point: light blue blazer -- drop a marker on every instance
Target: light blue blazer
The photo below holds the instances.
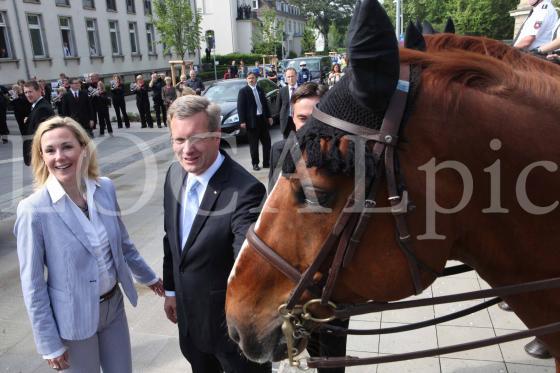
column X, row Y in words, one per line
column 58, row 268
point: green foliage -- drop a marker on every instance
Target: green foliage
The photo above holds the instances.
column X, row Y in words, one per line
column 225, row 59
column 268, row 38
column 337, row 36
column 488, row 18
column 178, row 26
column 322, row 13
column 292, row 54
column 308, row 40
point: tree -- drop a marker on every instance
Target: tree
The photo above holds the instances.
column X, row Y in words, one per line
column 308, row 40
column 472, row 17
column 177, row 25
column 268, row 39
column 323, row 12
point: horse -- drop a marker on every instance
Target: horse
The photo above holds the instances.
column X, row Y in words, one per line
column 479, row 152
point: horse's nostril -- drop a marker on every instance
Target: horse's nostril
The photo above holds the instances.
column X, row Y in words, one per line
column 234, row 334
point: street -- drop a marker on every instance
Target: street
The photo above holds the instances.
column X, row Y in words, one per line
column 137, row 160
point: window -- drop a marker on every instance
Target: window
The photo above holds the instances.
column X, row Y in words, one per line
column 89, row 4
column 5, row 38
column 254, row 4
column 150, row 35
column 148, row 7
column 130, row 8
column 67, row 36
column 93, row 37
column 62, row 2
column 112, row 5
column 38, row 44
column 115, row 36
column 32, row 1
column 133, row 34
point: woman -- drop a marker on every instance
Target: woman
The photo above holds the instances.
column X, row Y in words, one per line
column 334, row 76
column 71, row 226
column 242, row 71
column 102, row 108
column 168, row 92
column 117, row 91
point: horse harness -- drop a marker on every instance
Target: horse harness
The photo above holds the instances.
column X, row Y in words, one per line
column 345, row 237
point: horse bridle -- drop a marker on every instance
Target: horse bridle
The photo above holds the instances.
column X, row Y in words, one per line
column 346, row 236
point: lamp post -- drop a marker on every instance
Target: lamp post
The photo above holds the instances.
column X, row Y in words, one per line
column 398, row 19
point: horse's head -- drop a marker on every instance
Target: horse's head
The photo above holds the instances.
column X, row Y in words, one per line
column 303, row 207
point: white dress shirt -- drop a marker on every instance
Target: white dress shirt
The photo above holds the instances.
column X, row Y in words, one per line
column 203, row 180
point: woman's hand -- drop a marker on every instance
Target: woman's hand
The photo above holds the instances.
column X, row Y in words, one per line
column 158, row 288
column 59, row 363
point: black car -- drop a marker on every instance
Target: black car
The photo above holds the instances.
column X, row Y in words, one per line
column 224, row 93
column 319, row 67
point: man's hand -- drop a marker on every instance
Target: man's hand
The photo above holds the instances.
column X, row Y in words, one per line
column 270, row 121
column 170, row 308
column 59, row 363
column 158, row 288
column 91, row 123
column 242, row 125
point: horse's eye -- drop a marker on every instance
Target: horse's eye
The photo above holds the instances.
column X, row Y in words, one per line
column 314, row 197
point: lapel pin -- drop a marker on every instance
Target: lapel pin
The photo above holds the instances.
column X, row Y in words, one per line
column 215, row 192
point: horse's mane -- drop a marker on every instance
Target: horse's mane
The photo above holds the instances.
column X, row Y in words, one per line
column 490, row 47
column 451, row 67
column 449, row 73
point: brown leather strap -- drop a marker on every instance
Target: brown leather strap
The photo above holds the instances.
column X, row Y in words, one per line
column 334, row 362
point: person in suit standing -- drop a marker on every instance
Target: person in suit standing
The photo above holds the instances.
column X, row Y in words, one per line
column 156, row 85
column 254, row 115
column 103, row 102
column 21, row 107
column 70, row 227
column 119, row 103
column 142, row 102
column 284, row 106
column 41, row 110
column 77, row 105
column 4, row 131
column 209, row 204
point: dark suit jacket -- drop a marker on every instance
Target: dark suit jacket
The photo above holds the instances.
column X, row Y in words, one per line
column 198, row 274
column 80, row 110
column 247, row 106
column 284, row 107
column 275, row 168
column 41, row 112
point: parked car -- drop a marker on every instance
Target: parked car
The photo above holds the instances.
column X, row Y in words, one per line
column 224, row 93
column 319, row 67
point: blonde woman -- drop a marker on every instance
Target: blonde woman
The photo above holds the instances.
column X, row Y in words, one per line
column 168, row 92
column 71, row 228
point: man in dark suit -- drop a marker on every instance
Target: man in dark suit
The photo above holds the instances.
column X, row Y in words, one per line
column 209, row 203
column 77, row 105
column 284, row 105
column 41, row 110
column 140, row 89
column 254, row 115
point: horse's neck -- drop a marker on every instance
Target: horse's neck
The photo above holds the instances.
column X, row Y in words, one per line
column 488, row 136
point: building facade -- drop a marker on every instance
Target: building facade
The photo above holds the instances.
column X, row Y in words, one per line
column 42, row 38
column 236, row 22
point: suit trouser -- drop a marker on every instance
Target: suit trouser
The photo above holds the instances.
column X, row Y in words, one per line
column 109, row 348
column 254, row 135
column 159, row 107
column 120, row 106
column 3, row 123
column 323, row 344
column 104, row 120
column 145, row 115
column 229, row 362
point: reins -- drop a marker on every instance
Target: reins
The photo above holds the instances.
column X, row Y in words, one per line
column 344, row 239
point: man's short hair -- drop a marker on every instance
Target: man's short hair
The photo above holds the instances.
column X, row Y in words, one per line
column 73, row 80
column 32, row 84
column 187, row 106
column 251, row 73
column 290, row 68
column 308, row 90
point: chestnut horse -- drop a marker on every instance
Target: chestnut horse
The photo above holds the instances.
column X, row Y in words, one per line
column 479, row 160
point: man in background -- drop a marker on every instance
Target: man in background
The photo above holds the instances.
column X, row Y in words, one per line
column 537, row 29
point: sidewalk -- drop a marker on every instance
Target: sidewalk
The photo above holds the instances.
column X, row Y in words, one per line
column 155, row 346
